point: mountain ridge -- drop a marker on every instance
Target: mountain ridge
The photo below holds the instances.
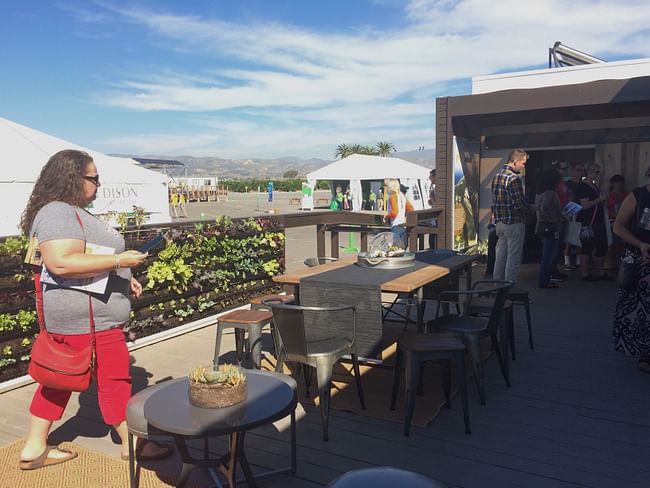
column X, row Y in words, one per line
column 242, row 168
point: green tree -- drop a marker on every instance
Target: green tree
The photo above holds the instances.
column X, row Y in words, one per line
column 342, row 151
column 357, row 149
column 292, row 173
column 384, row 149
column 370, row 151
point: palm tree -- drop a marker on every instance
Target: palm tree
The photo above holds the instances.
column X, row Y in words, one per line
column 371, row 151
column 343, row 151
column 357, row 149
column 384, row 149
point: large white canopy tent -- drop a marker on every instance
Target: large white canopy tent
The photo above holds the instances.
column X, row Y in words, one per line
column 124, row 182
column 360, row 167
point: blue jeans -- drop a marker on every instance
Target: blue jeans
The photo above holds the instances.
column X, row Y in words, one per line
column 400, row 233
column 549, row 253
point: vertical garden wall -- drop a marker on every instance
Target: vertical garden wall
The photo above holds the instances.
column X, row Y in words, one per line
column 204, row 269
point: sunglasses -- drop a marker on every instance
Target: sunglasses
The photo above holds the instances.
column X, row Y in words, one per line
column 94, row 179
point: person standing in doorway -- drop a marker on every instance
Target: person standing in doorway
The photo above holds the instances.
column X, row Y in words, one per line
column 594, row 234
column 510, row 206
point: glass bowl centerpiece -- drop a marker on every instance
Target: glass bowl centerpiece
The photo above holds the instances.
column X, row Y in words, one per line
column 216, row 387
column 386, row 250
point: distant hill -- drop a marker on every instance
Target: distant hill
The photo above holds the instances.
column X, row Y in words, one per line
column 265, row 168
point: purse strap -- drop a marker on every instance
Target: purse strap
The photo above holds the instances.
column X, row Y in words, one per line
column 593, row 217
column 38, row 288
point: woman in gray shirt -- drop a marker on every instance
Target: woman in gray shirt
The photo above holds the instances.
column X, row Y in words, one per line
column 55, row 216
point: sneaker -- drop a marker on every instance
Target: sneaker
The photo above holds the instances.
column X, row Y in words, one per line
column 557, row 276
column 570, row 267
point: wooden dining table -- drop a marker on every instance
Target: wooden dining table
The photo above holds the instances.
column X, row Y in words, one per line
column 409, row 281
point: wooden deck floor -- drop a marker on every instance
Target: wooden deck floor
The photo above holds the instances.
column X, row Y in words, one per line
column 576, row 415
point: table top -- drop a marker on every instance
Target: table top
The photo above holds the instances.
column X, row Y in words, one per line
column 270, row 396
column 408, row 282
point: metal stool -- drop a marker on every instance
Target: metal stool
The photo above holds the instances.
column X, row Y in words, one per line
column 419, row 348
column 519, row 296
column 242, row 321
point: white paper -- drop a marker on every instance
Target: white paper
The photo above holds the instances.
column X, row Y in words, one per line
column 571, row 209
column 96, row 284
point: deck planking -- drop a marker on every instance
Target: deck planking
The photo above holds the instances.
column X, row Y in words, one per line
column 575, row 416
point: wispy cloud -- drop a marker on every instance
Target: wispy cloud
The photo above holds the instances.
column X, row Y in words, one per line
column 348, row 84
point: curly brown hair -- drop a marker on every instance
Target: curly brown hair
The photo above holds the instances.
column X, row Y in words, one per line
column 61, row 180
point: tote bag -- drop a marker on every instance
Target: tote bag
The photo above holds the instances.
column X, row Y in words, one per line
column 573, row 233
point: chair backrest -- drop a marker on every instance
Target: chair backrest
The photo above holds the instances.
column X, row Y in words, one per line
column 289, row 322
column 498, row 291
column 313, row 262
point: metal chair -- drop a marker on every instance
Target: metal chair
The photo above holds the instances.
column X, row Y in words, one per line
column 473, row 329
column 313, row 262
column 318, row 352
column 383, row 477
column 418, row 349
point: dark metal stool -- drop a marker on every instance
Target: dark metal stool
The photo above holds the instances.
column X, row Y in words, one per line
column 419, row 348
column 243, row 321
column 519, row 296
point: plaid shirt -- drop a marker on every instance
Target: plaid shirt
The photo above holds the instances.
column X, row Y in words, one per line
column 508, row 197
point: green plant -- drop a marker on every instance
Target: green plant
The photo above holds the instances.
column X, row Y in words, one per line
column 25, row 342
column 173, row 274
column 7, row 351
column 229, row 376
column 6, row 362
column 122, row 220
column 14, row 246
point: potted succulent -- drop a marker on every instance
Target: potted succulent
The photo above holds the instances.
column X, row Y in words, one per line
column 216, row 387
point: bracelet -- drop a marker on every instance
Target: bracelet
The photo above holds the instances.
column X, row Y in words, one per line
column 117, row 262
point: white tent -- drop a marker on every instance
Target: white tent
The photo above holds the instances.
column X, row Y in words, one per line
column 124, row 182
column 359, row 167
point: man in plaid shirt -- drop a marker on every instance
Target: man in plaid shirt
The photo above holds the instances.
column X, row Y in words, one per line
column 509, row 207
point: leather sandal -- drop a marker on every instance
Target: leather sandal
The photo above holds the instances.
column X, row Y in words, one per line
column 43, row 460
column 162, row 451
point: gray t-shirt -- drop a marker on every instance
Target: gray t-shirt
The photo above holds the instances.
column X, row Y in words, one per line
column 66, row 311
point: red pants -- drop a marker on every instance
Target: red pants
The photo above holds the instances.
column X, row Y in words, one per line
column 111, row 375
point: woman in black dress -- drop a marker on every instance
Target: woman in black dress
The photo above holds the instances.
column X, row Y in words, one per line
column 631, row 333
column 594, row 248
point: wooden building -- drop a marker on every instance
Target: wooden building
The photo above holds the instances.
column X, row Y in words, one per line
column 597, row 112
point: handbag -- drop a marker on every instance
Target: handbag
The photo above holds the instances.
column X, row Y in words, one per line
column 547, row 230
column 55, row 364
column 587, row 231
column 573, row 233
column 628, row 273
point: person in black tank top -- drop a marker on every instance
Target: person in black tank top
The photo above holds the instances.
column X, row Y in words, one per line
column 631, row 334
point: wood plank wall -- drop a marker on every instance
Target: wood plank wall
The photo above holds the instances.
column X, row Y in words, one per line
column 444, row 171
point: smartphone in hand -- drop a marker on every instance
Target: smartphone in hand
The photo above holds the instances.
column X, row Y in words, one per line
column 150, row 245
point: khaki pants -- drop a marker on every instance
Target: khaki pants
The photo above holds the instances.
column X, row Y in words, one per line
column 510, row 248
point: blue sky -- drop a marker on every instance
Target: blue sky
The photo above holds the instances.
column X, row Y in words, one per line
column 262, row 78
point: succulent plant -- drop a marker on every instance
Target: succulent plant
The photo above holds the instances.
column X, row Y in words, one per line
column 229, row 376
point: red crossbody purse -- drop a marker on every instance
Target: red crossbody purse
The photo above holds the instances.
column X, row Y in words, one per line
column 55, row 364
